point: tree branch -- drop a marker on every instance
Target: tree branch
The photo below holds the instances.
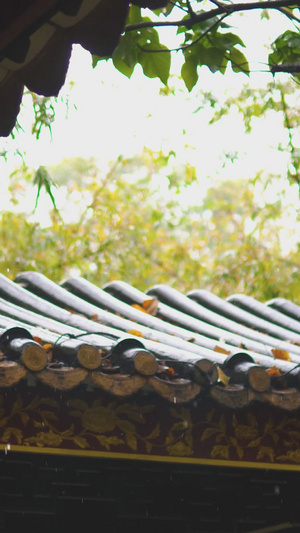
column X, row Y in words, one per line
column 203, row 16
column 185, row 46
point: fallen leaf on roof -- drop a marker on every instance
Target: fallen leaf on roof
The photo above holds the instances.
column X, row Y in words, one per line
column 139, row 308
column 38, row 340
column 151, row 306
column 220, row 349
column 171, row 371
column 47, row 346
column 281, row 354
column 222, row 377
column 135, row 332
column 274, row 371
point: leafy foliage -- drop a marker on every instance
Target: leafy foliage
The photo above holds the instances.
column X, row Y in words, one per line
column 136, row 230
column 204, row 39
column 279, row 98
column 286, row 53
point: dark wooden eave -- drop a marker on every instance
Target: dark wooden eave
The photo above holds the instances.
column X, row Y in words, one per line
column 36, row 38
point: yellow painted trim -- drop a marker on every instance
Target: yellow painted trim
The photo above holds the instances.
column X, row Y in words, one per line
column 8, row 448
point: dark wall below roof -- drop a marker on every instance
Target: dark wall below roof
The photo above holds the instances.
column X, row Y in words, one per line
column 72, row 494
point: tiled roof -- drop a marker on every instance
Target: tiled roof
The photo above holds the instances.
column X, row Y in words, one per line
column 121, row 340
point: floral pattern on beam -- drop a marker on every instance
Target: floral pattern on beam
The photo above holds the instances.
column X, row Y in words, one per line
column 148, row 426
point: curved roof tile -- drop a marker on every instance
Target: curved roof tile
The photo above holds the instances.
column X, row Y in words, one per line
column 121, row 340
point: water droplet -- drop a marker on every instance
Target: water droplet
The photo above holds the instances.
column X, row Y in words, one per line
column 7, row 448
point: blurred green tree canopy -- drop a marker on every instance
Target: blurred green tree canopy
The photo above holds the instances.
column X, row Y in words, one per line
column 132, row 225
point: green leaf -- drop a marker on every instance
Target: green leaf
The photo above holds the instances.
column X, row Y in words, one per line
column 226, row 41
column 214, row 58
column 43, row 179
column 189, row 72
column 239, row 62
column 155, row 60
column 134, row 15
column 125, row 55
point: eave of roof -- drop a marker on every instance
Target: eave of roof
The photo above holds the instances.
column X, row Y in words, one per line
column 36, row 39
column 121, row 340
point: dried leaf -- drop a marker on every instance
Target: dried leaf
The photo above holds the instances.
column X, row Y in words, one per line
column 38, row 340
column 151, row 306
column 274, row 371
column 220, row 349
column 281, row 354
column 47, row 346
column 222, row 377
column 135, row 332
column 139, row 308
column 171, row 371
column 70, row 310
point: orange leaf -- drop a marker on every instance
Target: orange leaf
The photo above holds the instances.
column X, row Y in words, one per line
column 135, row 332
column 281, row 354
column 47, row 346
column 151, row 306
column 274, row 371
column 171, row 371
column 38, row 340
column 139, row 308
column 220, row 349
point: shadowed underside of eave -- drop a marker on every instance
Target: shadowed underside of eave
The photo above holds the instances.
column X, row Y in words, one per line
column 36, row 38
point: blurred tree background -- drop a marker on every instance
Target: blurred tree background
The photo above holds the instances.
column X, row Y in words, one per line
column 133, row 224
